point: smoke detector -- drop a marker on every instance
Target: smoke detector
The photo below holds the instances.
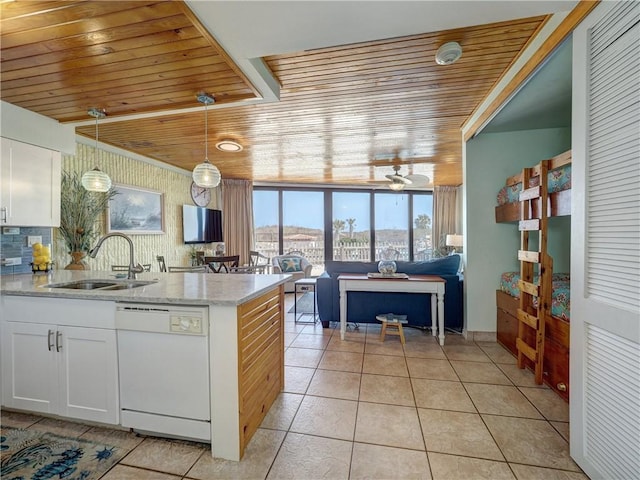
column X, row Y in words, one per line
column 448, row 53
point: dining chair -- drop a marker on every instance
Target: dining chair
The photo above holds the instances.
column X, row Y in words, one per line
column 125, row 268
column 258, row 263
column 161, row 264
column 226, row 264
column 194, row 269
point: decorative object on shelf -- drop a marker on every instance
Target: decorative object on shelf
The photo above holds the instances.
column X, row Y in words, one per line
column 41, row 258
column 387, row 267
column 455, row 241
column 206, row 174
column 448, row 53
column 387, row 264
column 80, row 212
column 388, row 276
column 96, row 180
column 228, row 146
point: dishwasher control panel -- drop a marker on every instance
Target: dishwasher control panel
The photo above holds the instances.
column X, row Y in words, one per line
column 159, row 318
column 186, row 324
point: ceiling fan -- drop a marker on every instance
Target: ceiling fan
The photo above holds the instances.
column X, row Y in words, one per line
column 399, row 182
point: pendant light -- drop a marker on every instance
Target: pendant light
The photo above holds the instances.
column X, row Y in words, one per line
column 96, row 180
column 206, row 174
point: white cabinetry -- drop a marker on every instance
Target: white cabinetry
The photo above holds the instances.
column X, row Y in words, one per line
column 30, row 185
column 52, row 364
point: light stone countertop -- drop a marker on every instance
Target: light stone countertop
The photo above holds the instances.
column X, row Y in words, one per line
column 170, row 288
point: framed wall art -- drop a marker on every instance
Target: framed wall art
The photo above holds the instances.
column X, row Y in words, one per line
column 136, row 210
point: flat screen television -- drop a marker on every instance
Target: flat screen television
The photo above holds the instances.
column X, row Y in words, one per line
column 201, row 225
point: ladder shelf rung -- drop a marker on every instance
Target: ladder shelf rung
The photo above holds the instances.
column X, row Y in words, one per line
column 526, row 350
column 530, row 288
column 530, row 194
column 529, row 225
column 528, row 319
column 528, row 256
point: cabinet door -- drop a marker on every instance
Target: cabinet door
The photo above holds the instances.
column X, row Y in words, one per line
column 30, row 185
column 88, row 374
column 29, row 368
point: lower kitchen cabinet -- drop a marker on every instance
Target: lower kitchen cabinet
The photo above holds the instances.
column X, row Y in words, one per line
column 62, row 370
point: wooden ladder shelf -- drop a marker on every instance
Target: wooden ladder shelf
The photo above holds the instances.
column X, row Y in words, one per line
column 531, row 318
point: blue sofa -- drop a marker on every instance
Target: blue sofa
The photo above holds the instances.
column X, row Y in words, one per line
column 364, row 306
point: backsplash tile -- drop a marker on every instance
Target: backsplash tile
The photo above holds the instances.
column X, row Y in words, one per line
column 16, row 246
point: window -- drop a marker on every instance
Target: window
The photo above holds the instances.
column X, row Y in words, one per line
column 392, row 224
column 341, row 224
column 266, row 222
column 351, row 226
column 303, row 224
column 422, row 215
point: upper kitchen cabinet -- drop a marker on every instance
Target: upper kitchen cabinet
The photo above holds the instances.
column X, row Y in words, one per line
column 30, row 185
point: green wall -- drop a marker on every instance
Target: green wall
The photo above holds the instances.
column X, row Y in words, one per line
column 491, row 248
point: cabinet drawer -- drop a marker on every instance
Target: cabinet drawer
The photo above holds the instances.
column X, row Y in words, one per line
column 58, row 311
column 556, row 367
column 507, row 330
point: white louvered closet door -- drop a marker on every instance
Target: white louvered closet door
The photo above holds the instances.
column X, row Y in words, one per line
column 605, row 256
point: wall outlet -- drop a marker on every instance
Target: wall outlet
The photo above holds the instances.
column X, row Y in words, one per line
column 31, row 239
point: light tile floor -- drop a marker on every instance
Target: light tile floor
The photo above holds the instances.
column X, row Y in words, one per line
column 361, row 408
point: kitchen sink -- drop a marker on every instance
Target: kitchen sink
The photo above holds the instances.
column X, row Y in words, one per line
column 101, row 284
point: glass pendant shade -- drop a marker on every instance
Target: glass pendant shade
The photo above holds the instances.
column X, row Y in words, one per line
column 396, row 186
column 206, row 175
column 96, row 181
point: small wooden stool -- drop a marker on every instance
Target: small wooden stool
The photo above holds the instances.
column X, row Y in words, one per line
column 394, row 323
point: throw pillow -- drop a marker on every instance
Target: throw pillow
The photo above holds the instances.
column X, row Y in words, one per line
column 290, row 264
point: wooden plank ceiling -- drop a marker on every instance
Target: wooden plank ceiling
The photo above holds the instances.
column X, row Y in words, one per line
column 346, row 113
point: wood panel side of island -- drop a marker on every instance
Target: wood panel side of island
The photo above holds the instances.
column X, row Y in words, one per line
column 260, row 360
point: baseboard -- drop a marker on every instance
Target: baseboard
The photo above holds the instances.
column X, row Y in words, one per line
column 480, row 336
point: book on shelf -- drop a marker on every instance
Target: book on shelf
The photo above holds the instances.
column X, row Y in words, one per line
column 391, row 318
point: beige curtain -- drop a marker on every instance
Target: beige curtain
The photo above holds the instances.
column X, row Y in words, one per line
column 445, row 215
column 237, row 218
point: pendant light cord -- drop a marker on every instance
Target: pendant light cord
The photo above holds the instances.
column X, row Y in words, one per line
column 206, row 132
column 96, row 149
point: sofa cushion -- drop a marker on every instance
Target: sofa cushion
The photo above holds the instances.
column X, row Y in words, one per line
column 439, row 266
column 290, row 264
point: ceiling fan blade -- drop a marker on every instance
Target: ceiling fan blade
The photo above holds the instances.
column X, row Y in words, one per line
column 399, row 178
column 418, row 180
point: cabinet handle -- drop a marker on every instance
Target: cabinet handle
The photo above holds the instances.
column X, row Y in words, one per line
column 58, row 341
column 49, row 341
column 4, row 214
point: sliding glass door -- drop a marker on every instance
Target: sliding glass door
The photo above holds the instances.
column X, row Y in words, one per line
column 392, row 224
column 351, row 226
column 303, row 225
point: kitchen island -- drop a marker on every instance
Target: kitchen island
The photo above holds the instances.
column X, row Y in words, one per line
column 60, row 347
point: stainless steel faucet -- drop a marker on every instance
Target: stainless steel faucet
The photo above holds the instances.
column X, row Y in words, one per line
column 133, row 269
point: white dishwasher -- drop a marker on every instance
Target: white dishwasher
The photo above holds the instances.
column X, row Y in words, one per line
column 163, row 356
